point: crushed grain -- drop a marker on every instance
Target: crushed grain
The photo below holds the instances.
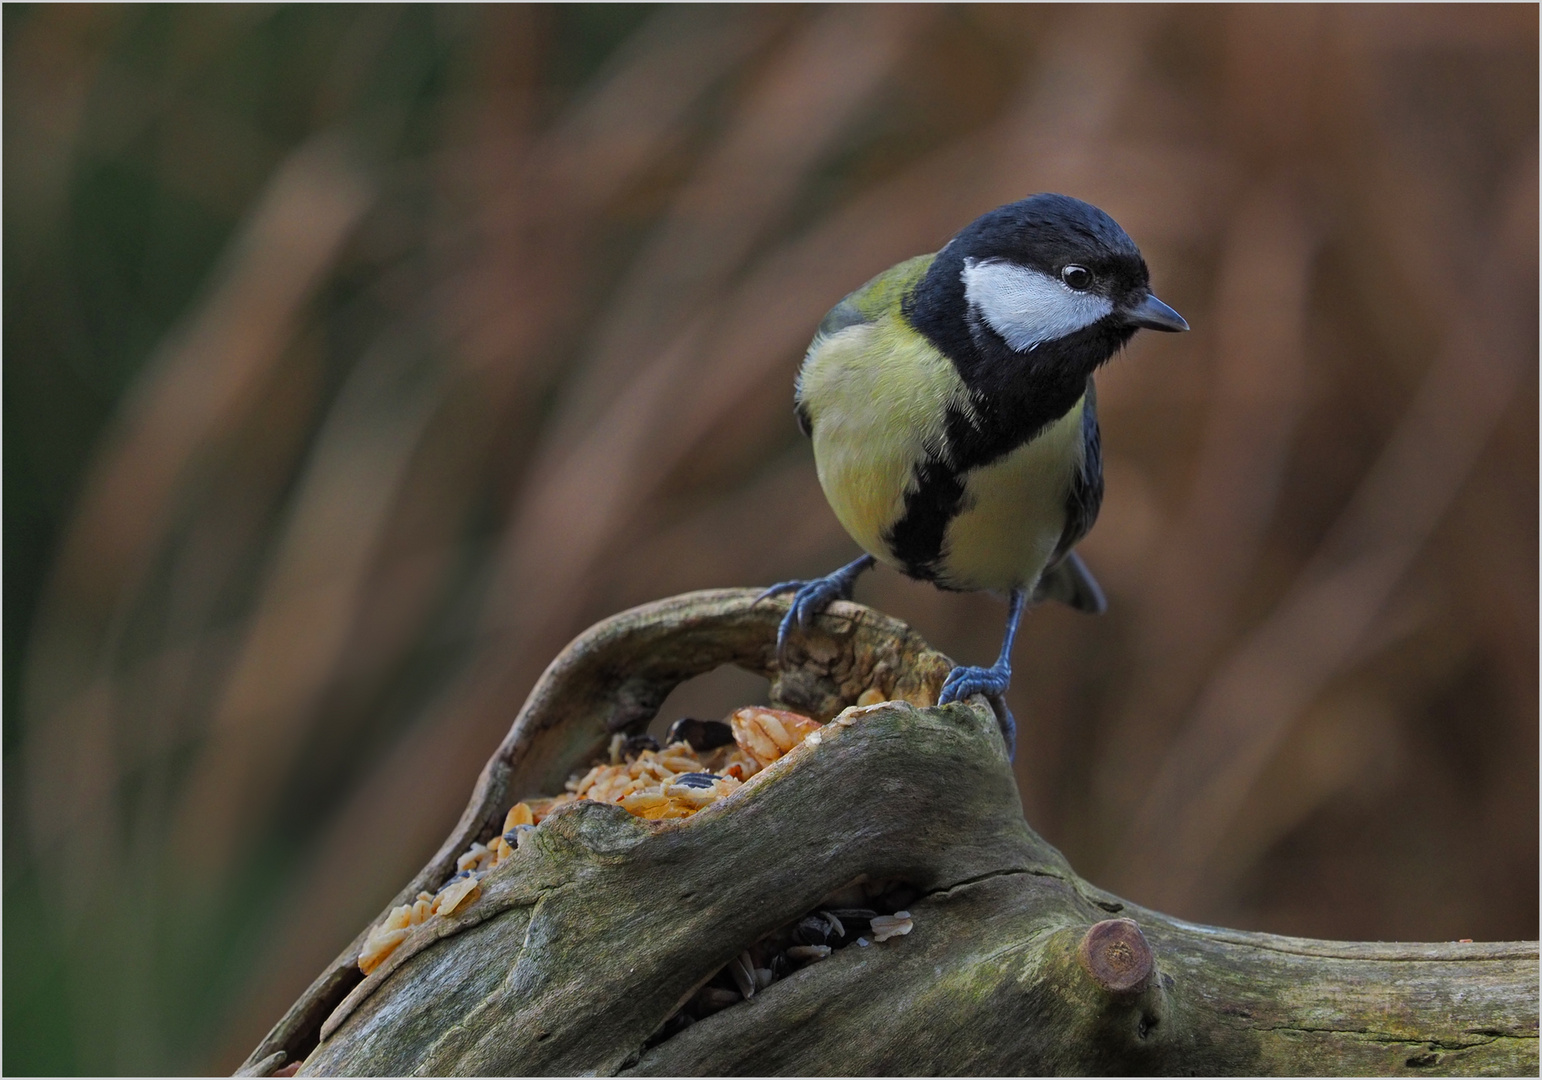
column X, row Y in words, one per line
column 457, row 895
column 767, row 734
column 651, row 783
column 889, row 926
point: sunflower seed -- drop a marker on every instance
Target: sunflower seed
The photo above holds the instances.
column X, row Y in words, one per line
column 702, row 735
column 742, row 968
column 696, row 779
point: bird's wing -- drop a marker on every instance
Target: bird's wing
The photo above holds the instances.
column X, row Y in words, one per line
column 1067, row 579
column 1070, row 582
column 883, row 295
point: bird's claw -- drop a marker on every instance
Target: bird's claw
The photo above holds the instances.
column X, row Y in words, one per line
column 808, row 600
column 793, row 611
column 811, row 597
column 965, row 682
column 778, row 589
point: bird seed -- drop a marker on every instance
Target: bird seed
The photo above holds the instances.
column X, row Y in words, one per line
column 705, row 761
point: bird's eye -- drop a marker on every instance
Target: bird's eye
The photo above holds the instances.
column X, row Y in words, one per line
column 1078, row 277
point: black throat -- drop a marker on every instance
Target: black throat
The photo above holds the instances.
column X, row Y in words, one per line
column 1012, row 396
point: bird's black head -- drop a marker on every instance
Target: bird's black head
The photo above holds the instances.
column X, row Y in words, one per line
column 1049, row 277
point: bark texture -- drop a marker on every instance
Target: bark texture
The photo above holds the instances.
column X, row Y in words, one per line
column 603, row 925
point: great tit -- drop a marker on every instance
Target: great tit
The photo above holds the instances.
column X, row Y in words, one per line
column 951, row 405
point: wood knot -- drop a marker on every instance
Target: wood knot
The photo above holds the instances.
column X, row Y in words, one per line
column 1116, row 955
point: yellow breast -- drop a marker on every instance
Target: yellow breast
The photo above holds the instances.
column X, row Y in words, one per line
column 1014, row 511
column 877, row 393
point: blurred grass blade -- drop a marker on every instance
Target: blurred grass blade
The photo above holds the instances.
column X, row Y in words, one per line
column 1275, row 672
column 305, row 612
column 206, row 375
column 1210, row 553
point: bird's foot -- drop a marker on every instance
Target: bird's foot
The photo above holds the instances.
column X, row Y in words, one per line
column 811, row 597
column 965, row 682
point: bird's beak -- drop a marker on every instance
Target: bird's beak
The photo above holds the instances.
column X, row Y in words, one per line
column 1152, row 314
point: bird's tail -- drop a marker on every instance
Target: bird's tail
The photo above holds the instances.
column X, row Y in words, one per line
column 1070, row 582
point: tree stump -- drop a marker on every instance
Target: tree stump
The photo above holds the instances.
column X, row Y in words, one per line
column 602, row 925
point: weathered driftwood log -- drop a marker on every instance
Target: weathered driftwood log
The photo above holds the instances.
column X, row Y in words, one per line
column 598, row 929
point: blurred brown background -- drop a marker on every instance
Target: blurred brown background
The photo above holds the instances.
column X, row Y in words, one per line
column 356, row 358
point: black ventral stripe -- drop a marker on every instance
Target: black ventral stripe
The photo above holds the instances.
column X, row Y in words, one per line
column 1014, row 396
column 916, row 538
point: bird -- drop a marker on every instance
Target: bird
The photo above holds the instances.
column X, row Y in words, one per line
column 953, row 415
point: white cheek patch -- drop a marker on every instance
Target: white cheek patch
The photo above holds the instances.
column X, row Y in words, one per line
column 1027, row 307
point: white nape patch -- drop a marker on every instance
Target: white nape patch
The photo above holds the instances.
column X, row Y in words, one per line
column 1028, row 307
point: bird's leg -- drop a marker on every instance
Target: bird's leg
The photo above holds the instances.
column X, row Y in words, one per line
column 812, row 597
column 964, row 682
